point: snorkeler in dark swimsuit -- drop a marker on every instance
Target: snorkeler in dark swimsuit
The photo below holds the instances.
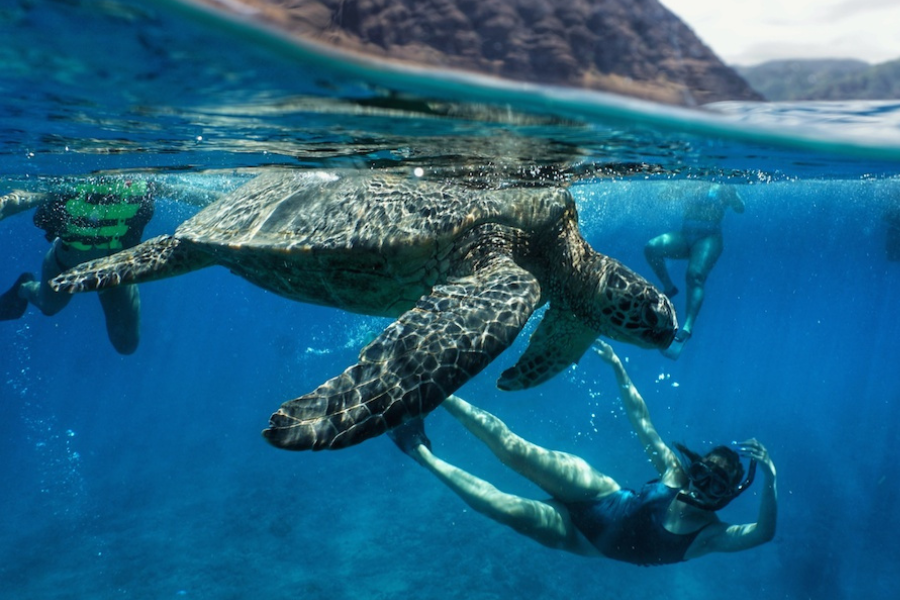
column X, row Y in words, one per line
column 700, row 243
column 669, row 520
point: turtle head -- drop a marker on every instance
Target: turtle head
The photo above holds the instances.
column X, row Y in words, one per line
column 626, row 307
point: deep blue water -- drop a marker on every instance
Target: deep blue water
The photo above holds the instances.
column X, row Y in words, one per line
column 145, row 476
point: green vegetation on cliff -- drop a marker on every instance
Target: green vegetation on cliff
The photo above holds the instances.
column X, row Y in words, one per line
column 824, row 79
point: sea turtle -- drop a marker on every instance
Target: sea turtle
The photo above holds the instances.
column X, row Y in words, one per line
column 462, row 269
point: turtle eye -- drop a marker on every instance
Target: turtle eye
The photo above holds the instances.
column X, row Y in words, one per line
column 651, row 317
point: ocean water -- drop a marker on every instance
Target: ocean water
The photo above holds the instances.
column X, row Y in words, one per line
column 145, row 476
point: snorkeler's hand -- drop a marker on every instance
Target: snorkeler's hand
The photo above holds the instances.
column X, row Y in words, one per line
column 753, row 449
column 18, row 201
column 6, row 201
column 605, row 351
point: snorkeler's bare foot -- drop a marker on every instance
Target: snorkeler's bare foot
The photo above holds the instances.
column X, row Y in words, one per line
column 671, row 292
column 12, row 305
column 410, row 436
column 677, row 345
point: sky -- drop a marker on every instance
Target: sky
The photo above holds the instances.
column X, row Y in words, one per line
column 749, row 32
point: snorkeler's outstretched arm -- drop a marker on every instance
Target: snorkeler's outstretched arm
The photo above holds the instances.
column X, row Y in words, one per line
column 19, row 201
column 186, row 194
column 734, row 200
column 659, row 453
column 723, row 537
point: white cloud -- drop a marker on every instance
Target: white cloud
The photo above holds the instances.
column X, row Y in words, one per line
column 851, row 7
column 743, row 32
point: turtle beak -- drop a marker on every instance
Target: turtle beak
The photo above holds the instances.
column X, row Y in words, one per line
column 655, row 329
column 634, row 311
column 663, row 314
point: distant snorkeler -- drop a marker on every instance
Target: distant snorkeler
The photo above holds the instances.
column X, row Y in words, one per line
column 87, row 220
column 669, row 520
column 700, row 243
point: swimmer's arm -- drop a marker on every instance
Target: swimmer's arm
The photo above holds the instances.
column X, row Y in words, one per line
column 733, row 538
column 735, row 201
column 19, row 201
column 660, row 454
column 186, row 194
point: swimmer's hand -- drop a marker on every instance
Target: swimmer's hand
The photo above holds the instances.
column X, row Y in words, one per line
column 754, row 450
column 605, row 351
column 18, row 201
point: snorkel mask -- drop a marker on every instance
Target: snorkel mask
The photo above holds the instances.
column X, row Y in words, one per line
column 711, row 487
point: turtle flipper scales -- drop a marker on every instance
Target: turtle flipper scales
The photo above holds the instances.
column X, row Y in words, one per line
column 157, row 258
column 416, row 362
column 559, row 341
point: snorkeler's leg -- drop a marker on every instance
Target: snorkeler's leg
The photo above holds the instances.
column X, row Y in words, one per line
column 564, row 476
column 668, row 245
column 704, row 255
column 40, row 293
column 122, row 308
column 543, row 522
column 12, row 303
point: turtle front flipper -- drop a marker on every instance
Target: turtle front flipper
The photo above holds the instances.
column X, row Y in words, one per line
column 419, row 360
column 559, row 341
column 157, row 258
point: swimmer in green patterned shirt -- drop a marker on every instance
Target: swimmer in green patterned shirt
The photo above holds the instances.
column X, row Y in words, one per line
column 85, row 220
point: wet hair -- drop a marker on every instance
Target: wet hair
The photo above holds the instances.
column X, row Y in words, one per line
column 731, row 462
column 727, row 459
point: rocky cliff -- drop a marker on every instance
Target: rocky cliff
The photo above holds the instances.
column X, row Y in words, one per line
column 632, row 47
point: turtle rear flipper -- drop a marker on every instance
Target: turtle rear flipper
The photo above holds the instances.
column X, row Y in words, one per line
column 419, row 360
column 559, row 341
column 157, row 258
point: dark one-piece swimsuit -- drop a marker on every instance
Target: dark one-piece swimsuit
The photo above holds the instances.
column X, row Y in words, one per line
column 628, row 525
